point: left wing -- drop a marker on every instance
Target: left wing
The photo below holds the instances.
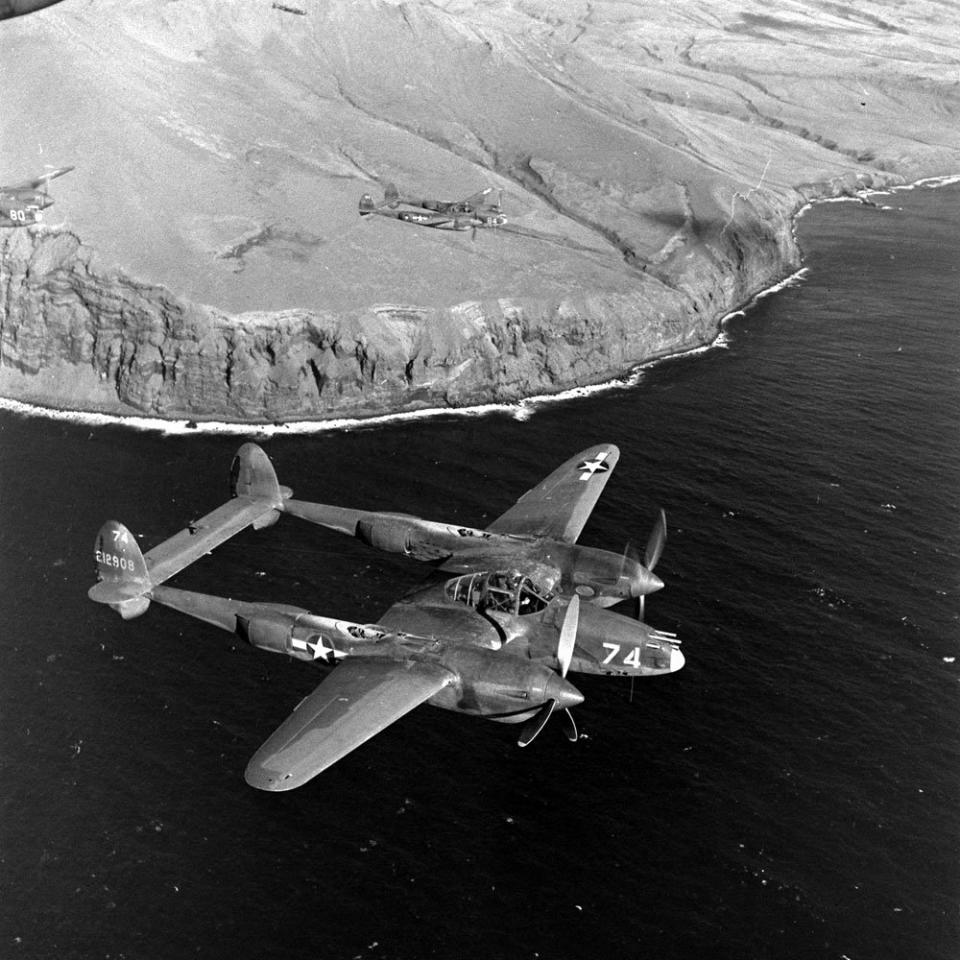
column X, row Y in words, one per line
column 41, row 180
column 356, row 701
column 560, row 506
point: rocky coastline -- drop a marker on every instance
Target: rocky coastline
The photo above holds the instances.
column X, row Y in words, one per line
column 75, row 338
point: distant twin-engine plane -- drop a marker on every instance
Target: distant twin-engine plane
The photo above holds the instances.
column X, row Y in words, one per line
column 525, row 606
column 24, row 203
column 17, row 8
column 468, row 214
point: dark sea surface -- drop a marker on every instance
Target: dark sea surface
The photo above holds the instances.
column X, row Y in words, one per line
column 792, row 793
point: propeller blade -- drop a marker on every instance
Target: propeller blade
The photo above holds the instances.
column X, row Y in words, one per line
column 629, row 553
column 640, row 608
column 568, row 634
column 536, row 723
column 658, row 537
column 569, row 727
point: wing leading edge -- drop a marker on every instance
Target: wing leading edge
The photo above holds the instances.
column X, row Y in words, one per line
column 560, row 506
column 354, row 703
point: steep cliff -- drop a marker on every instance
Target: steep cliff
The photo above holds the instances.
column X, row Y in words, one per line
column 213, row 264
column 74, row 337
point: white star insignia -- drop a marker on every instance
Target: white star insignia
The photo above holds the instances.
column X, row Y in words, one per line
column 320, row 649
column 590, row 467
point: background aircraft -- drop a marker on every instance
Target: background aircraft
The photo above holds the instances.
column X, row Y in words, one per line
column 16, row 8
column 467, row 214
column 23, row 204
column 496, row 643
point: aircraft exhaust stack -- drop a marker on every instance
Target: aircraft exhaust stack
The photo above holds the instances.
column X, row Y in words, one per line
column 122, row 572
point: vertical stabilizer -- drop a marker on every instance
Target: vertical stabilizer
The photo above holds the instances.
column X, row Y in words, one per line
column 121, row 570
column 252, row 476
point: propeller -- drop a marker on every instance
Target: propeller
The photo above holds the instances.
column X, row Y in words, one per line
column 565, row 645
column 658, row 537
column 644, row 581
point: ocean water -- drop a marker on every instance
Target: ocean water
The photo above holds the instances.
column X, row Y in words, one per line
column 792, row 793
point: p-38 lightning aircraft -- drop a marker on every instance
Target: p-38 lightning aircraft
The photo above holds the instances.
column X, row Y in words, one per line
column 23, row 204
column 468, row 214
column 496, row 643
column 17, row 8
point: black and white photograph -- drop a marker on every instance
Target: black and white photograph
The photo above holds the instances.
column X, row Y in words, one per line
column 479, row 480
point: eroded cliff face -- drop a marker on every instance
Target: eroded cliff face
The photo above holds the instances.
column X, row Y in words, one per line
column 74, row 337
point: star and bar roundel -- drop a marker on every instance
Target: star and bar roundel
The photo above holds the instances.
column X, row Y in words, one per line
column 596, row 464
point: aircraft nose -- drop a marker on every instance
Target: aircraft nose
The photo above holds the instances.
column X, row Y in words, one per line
column 563, row 691
column 677, row 660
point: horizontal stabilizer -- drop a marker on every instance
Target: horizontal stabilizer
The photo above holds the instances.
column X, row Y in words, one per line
column 257, row 502
column 125, row 574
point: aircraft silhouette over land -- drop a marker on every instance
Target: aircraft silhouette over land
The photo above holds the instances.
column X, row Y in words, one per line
column 496, row 642
column 468, row 214
column 24, row 203
column 16, row 8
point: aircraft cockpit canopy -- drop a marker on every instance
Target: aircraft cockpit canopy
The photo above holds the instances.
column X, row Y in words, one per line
column 507, row 591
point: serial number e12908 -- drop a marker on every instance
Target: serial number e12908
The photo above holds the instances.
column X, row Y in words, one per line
column 112, row 560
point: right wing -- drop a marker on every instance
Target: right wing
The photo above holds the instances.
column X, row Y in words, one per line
column 560, row 506
column 356, row 701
